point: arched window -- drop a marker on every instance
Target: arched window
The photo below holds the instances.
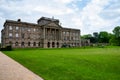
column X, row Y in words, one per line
column 28, row 43
column 34, row 44
column 48, row 44
column 57, row 44
column 39, row 44
column 53, row 44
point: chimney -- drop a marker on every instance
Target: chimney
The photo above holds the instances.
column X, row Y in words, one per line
column 19, row 20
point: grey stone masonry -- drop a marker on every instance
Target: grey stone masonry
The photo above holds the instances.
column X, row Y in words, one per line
column 47, row 33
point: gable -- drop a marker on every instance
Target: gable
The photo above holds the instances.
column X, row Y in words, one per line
column 52, row 24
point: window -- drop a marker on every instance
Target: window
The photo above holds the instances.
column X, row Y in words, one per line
column 63, row 33
column 39, row 44
column 10, row 27
column 34, row 29
column 17, row 28
column 16, row 35
column 28, row 43
column 67, row 33
column 34, row 44
column 10, row 34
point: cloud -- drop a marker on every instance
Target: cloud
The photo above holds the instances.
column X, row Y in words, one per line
column 87, row 15
column 97, row 17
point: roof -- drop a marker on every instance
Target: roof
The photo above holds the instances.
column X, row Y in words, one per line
column 18, row 22
column 49, row 19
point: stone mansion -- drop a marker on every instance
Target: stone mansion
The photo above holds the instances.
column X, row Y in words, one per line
column 47, row 33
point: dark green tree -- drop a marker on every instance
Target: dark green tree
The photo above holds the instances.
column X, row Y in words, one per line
column 116, row 38
column 116, row 32
column 95, row 36
column 103, row 37
column 87, row 36
column 90, row 37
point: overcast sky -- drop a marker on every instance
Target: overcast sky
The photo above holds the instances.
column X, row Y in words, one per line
column 87, row 15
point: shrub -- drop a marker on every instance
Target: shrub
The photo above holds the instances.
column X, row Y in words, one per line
column 7, row 48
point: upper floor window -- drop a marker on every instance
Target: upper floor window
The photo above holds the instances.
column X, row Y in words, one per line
column 17, row 28
column 10, row 34
column 34, row 29
column 63, row 33
column 16, row 35
column 67, row 33
column 10, row 27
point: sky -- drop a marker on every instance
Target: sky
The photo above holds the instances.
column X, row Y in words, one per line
column 87, row 15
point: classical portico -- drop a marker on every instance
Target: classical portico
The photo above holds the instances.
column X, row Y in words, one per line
column 52, row 36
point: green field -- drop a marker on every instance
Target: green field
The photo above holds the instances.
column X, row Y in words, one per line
column 71, row 64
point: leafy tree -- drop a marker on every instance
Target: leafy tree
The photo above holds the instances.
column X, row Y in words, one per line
column 87, row 36
column 116, row 38
column 116, row 32
column 103, row 37
column 90, row 37
column 95, row 35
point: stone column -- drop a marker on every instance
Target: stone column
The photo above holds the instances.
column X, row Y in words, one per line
column 50, row 34
column 44, row 33
column 55, row 34
column 60, row 36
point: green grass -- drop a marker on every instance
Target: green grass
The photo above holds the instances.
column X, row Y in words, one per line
column 71, row 64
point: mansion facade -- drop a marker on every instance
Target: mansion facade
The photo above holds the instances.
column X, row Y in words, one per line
column 47, row 33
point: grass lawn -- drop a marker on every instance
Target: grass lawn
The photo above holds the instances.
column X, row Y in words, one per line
column 71, row 64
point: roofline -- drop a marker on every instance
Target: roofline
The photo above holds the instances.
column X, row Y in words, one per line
column 18, row 22
column 46, row 18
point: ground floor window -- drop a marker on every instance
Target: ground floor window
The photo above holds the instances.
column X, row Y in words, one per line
column 34, row 44
column 22, row 44
column 57, row 44
column 48, row 44
column 28, row 43
column 53, row 44
column 39, row 44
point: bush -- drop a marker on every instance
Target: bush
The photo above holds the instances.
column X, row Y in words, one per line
column 65, row 46
column 7, row 48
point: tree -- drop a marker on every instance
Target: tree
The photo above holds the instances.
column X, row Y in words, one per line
column 89, row 36
column 116, row 38
column 103, row 37
column 116, row 32
column 95, row 35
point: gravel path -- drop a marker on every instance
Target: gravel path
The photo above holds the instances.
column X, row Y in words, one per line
column 12, row 70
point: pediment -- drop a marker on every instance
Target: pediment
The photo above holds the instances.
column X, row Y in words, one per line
column 53, row 25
